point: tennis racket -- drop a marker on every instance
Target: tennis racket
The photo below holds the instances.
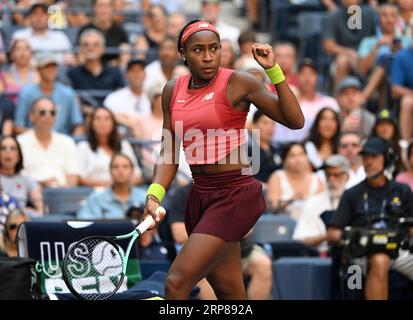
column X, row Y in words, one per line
column 94, row 267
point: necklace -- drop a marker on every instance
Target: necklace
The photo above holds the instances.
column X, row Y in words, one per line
column 198, row 87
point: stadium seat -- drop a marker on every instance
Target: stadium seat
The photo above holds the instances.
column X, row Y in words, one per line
column 284, row 25
column 64, row 200
column 302, row 278
column 292, row 248
column 271, row 228
column 149, row 267
column 310, row 26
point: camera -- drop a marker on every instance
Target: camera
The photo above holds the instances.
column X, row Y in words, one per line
column 386, row 232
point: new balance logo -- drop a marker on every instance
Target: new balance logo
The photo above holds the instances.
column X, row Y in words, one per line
column 180, row 101
column 208, row 96
column 203, row 25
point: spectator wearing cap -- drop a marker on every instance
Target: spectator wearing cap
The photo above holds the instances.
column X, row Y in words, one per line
column 269, row 153
column 131, row 101
column 50, row 157
column 115, row 201
column 211, row 11
column 362, row 206
column 103, row 21
column 161, row 70
column 406, row 176
column 386, row 128
column 402, row 89
column 311, row 102
column 311, row 228
column 93, row 74
column 350, row 99
column 341, row 42
column 43, row 39
column 69, row 119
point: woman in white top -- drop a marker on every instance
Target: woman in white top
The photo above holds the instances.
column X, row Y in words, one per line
column 102, row 142
column 322, row 141
column 288, row 188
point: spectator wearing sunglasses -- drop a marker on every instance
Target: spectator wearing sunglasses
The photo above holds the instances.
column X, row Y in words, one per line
column 50, row 158
column 12, row 181
column 8, row 245
column 69, row 119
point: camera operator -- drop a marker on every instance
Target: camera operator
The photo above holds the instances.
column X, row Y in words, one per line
column 372, row 196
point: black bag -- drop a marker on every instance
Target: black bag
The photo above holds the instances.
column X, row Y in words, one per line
column 18, row 279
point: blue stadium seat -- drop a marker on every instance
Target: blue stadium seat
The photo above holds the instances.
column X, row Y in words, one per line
column 302, row 278
column 150, row 267
column 272, row 228
column 64, row 200
column 310, row 26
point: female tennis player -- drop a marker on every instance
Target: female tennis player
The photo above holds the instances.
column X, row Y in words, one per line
column 224, row 202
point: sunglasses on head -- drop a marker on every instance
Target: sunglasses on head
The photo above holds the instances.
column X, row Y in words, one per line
column 12, row 226
column 43, row 112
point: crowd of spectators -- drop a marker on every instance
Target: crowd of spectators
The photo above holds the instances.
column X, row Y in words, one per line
column 80, row 104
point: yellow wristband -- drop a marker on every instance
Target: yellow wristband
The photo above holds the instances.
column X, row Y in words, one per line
column 275, row 74
column 156, row 190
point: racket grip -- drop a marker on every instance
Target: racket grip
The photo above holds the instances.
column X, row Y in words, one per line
column 146, row 224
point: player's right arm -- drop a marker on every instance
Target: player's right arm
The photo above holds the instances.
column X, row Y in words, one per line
column 167, row 164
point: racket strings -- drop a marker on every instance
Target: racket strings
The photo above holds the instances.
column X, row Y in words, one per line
column 94, row 268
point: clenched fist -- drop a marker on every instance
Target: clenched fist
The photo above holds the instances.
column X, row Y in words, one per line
column 264, row 55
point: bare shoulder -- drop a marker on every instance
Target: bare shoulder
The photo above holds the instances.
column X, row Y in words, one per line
column 240, row 85
column 167, row 93
column 242, row 79
column 169, row 87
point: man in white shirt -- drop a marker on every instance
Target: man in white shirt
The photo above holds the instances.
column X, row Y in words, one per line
column 131, row 101
column 349, row 145
column 311, row 102
column 310, row 227
column 43, row 39
column 50, row 157
column 210, row 11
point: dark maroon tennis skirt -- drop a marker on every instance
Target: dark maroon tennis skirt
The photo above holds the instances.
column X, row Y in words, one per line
column 226, row 205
